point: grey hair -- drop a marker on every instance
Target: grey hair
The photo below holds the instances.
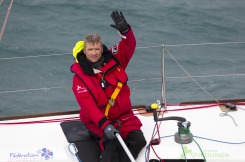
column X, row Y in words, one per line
column 93, row 39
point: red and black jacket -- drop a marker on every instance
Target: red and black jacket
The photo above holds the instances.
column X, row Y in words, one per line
column 92, row 98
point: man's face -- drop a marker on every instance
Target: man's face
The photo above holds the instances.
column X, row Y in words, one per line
column 93, row 52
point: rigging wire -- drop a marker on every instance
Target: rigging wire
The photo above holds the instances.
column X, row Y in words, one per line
column 191, row 44
column 204, row 44
column 138, row 80
column 176, row 45
column 37, row 56
column 1, row 1
column 162, row 46
column 37, row 89
column 6, row 19
column 221, row 114
column 143, row 47
column 191, row 76
column 130, row 81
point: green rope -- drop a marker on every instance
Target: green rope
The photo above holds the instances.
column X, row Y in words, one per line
column 183, row 131
column 183, row 152
column 182, row 148
column 200, row 150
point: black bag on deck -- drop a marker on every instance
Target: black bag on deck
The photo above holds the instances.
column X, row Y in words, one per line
column 77, row 133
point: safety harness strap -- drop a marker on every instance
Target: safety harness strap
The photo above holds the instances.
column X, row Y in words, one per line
column 113, row 98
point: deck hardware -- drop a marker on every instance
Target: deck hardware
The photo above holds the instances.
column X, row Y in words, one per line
column 230, row 106
column 183, row 136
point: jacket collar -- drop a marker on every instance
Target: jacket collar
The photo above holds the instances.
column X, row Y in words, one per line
column 86, row 66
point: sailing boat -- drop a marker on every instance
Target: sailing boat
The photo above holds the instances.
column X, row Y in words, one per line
column 195, row 131
column 190, row 131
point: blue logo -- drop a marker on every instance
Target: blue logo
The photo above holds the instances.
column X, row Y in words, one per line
column 47, row 154
column 41, row 154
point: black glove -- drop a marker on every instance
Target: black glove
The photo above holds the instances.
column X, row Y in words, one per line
column 110, row 131
column 120, row 22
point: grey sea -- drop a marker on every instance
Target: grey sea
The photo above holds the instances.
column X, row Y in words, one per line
column 203, row 40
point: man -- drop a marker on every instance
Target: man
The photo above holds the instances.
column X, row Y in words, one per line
column 100, row 87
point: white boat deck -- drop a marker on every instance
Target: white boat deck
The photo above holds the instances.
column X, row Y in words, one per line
column 219, row 138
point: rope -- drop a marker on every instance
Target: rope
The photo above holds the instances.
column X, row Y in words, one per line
column 241, row 108
column 219, row 141
column 204, row 138
column 183, row 150
column 6, row 18
column 226, row 114
column 200, row 150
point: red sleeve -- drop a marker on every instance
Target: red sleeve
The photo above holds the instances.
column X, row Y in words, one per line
column 124, row 50
column 89, row 109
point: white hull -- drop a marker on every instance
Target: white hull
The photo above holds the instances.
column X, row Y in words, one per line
column 24, row 142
